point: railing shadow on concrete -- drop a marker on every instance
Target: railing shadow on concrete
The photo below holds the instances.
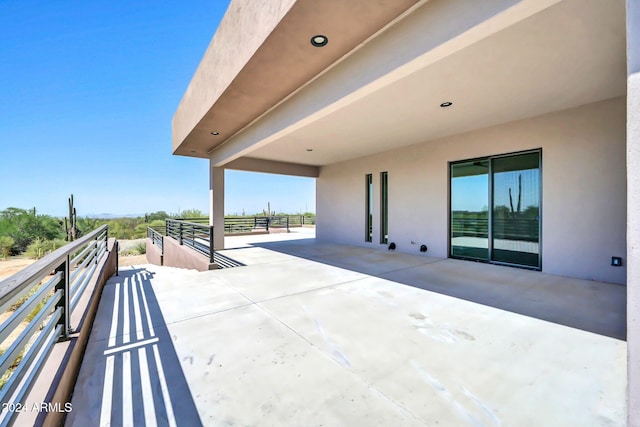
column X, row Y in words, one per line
column 56, row 296
column 131, row 374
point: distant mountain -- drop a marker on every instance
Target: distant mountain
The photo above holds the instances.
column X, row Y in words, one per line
column 112, row 216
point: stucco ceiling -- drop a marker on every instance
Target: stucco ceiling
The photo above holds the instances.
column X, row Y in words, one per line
column 277, row 65
column 570, row 54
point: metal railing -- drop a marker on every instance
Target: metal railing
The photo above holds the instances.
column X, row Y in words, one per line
column 241, row 225
column 157, row 237
column 279, row 222
column 258, row 223
column 248, row 224
column 194, row 235
column 46, row 308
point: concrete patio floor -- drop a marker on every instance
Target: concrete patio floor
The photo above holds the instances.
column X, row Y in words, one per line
column 312, row 334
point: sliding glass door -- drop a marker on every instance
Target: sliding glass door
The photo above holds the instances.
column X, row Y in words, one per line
column 515, row 221
column 509, row 232
column 469, row 210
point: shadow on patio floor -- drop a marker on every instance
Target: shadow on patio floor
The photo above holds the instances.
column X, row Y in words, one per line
column 583, row 304
column 135, row 377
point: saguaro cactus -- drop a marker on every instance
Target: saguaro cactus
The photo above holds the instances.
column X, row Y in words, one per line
column 70, row 224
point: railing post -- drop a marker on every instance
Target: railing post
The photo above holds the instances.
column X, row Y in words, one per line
column 117, row 248
column 64, row 301
column 287, row 223
column 211, row 243
column 180, row 233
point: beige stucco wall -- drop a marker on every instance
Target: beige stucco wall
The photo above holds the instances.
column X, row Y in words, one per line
column 633, row 200
column 583, row 194
column 177, row 255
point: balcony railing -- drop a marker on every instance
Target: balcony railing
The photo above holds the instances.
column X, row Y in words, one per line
column 157, row 236
column 192, row 234
column 46, row 294
column 234, row 225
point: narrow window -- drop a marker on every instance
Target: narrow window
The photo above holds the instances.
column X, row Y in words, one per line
column 369, row 209
column 384, row 207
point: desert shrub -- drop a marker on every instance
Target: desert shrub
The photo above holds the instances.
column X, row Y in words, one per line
column 137, row 249
column 40, row 248
column 6, row 245
column 141, row 248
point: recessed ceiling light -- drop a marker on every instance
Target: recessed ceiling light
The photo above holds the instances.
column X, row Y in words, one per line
column 446, row 104
column 319, row 40
column 309, row 149
column 215, row 133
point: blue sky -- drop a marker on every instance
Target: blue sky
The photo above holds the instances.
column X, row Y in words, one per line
column 87, row 93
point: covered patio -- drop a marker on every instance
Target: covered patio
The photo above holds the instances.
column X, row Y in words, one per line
column 313, row 333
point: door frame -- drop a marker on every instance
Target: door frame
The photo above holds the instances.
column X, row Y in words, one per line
column 489, row 158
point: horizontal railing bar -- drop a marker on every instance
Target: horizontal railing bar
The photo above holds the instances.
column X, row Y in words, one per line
column 41, row 349
column 76, row 293
column 73, row 266
column 101, row 250
column 42, row 352
column 46, row 338
column 27, row 307
column 30, row 275
column 194, row 235
column 73, row 286
column 6, row 360
column 194, row 224
column 15, row 296
column 86, row 261
column 80, row 256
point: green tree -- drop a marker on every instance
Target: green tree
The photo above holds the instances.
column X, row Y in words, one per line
column 26, row 226
column 160, row 215
column 86, row 225
column 191, row 213
column 140, row 231
column 157, row 223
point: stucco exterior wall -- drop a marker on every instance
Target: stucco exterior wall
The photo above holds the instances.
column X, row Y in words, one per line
column 153, row 253
column 633, row 223
column 176, row 255
column 583, row 189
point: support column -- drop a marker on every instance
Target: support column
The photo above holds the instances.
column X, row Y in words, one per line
column 633, row 213
column 216, row 205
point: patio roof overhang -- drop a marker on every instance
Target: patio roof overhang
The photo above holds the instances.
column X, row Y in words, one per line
column 261, row 53
column 383, row 89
